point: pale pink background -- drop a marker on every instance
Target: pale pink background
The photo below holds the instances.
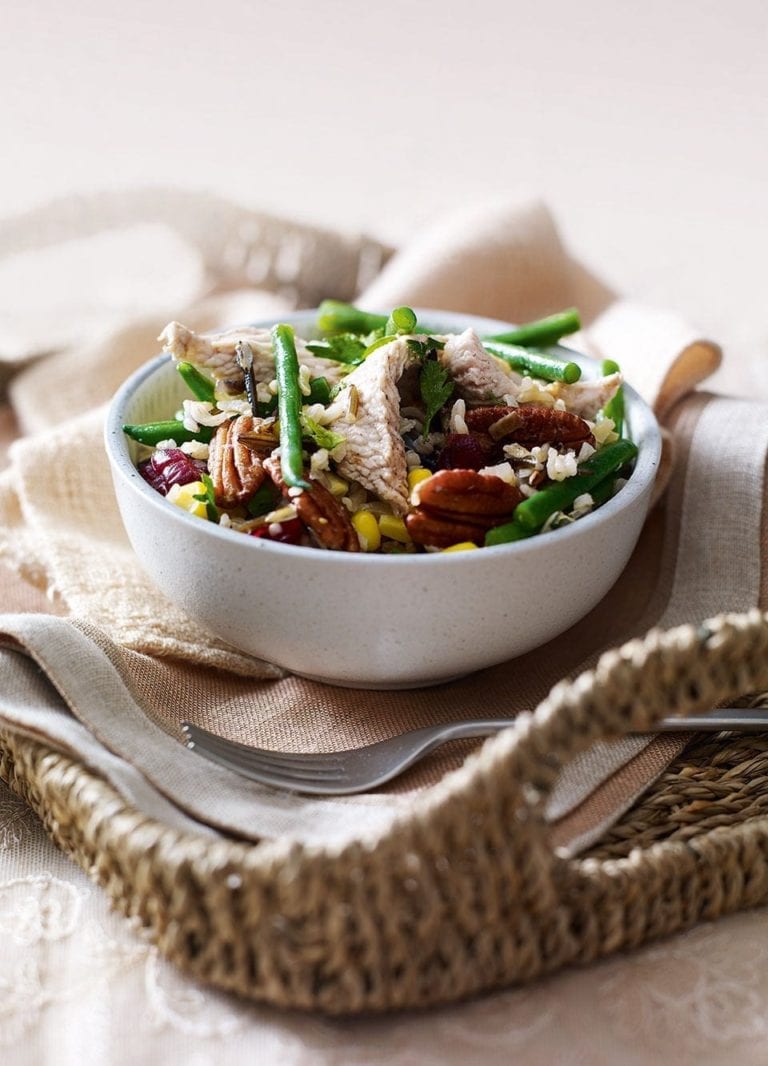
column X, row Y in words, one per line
column 645, row 126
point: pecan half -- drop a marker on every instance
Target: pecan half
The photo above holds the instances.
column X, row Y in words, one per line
column 262, row 439
column 529, row 424
column 323, row 515
column 236, row 470
column 439, row 532
column 456, row 505
column 467, row 492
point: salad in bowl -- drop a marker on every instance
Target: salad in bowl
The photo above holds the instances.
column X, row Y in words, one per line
column 384, row 435
column 381, row 501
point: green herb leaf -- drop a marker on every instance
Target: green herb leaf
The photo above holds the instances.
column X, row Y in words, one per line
column 209, row 499
column 435, row 387
column 343, row 347
column 323, row 438
column 263, row 500
column 319, row 391
column 425, row 348
column 418, row 348
column 264, row 410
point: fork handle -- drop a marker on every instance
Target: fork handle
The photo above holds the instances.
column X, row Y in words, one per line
column 682, row 670
column 743, row 719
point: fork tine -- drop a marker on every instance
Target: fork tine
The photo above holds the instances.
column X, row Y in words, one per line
column 288, row 758
column 263, row 778
column 264, row 766
column 262, row 761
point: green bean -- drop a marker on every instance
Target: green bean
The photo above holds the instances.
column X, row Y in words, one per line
column 336, row 317
column 289, row 402
column 152, row 433
column 533, row 512
column 545, row 367
column 512, row 531
column 506, row 534
column 603, row 491
column 542, row 331
column 614, row 409
column 198, row 384
column 401, row 320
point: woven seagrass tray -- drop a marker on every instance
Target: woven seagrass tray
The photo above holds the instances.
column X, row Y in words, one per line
column 467, row 894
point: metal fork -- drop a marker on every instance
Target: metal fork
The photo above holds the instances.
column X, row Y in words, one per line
column 341, row 773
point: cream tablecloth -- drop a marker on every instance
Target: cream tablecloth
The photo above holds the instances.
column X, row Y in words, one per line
column 78, row 987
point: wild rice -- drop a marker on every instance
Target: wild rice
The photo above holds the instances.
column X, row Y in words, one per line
column 501, row 470
column 456, row 420
column 304, row 380
column 561, row 465
column 353, row 402
column 200, row 413
column 196, row 449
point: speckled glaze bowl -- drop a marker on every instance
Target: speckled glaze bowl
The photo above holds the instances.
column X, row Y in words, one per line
column 374, row 621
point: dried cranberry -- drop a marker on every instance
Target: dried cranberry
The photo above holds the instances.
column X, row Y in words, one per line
column 168, row 468
column 463, row 451
column 289, row 532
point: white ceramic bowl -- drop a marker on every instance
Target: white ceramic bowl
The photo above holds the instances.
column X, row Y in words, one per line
column 374, row 621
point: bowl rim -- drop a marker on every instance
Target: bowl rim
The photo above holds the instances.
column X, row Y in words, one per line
column 643, row 475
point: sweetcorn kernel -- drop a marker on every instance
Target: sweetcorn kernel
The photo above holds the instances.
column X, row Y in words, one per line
column 367, row 529
column 184, row 496
column 337, row 486
column 462, row 546
column 393, row 527
column 417, row 475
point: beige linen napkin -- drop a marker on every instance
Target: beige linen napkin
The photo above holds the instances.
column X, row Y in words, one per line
column 130, row 666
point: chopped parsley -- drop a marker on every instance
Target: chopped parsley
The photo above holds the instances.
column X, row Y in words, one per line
column 423, row 348
column 264, row 410
column 319, row 391
column 323, row 438
column 343, row 347
column 209, row 498
column 263, row 500
column 435, row 387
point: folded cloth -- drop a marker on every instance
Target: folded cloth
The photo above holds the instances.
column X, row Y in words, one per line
column 124, row 666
